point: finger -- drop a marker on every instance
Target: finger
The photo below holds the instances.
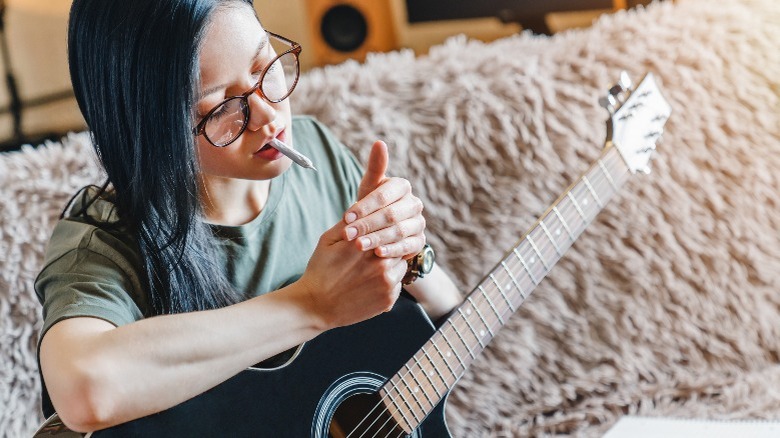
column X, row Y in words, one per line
column 405, row 248
column 388, row 193
column 334, row 234
column 393, row 233
column 375, row 169
column 406, row 207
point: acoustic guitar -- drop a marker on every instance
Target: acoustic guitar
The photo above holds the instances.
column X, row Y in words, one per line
column 390, row 376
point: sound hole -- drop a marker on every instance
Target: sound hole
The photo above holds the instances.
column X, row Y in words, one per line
column 344, row 28
column 356, row 417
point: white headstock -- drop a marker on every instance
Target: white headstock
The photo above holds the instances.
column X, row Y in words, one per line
column 638, row 116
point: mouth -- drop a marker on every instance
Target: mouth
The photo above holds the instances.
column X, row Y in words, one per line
column 280, row 135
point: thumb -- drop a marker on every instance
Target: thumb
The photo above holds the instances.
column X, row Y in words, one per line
column 375, row 169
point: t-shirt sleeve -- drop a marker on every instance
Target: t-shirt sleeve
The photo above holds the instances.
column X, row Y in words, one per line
column 89, row 279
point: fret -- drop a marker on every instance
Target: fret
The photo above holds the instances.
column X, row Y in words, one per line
column 590, row 209
column 463, row 341
column 565, row 225
column 419, row 387
column 409, row 407
column 577, row 207
column 553, row 230
column 428, row 377
column 452, row 350
column 433, row 364
column 393, row 408
column 533, row 280
column 552, row 240
column 514, row 280
column 592, row 192
column 444, row 359
column 581, row 196
column 503, row 295
column 490, row 303
column 416, row 400
column 577, row 222
column 538, row 254
column 479, row 340
column 484, row 321
column 602, row 187
column 606, row 173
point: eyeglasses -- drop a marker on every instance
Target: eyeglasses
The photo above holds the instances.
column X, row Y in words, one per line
column 224, row 123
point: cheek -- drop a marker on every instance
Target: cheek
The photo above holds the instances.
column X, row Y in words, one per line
column 208, row 156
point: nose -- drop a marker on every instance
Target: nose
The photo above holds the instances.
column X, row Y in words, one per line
column 261, row 112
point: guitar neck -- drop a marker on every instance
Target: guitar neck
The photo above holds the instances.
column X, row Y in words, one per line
column 432, row 372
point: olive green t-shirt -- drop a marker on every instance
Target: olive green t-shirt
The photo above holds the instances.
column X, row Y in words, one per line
column 91, row 272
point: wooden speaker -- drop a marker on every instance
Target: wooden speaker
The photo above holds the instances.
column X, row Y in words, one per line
column 349, row 29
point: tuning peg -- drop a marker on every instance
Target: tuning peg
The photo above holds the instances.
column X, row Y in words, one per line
column 608, row 102
column 625, row 81
column 645, row 170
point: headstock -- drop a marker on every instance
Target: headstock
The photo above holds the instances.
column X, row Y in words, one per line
column 637, row 119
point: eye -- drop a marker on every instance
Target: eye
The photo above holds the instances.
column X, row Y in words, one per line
column 219, row 113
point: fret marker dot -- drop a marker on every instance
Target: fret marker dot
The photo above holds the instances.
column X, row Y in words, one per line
column 558, row 232
column 481, row 333
column 430, row 373
column 468, row 311
column 509, row 285
column 449, row 354
column 585, row 201
column 416, row 389
column 533, row 259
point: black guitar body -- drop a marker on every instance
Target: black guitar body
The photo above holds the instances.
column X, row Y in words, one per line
column 336, row 375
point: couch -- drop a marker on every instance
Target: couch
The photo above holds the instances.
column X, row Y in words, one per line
column 667, row 305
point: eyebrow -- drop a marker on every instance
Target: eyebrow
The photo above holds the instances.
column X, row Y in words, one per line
column 260, row 48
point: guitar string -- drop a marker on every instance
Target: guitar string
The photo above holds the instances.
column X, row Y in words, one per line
column 597, row 180
column 545, row 249
column 557, row 253
column 588, row 217
column 552, row 243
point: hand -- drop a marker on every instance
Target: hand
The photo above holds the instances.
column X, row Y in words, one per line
column 387, row 217
column 345, row 285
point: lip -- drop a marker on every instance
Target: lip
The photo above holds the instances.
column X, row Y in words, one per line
column 281, row 135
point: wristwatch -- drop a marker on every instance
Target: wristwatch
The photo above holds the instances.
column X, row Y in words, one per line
column 419, row 265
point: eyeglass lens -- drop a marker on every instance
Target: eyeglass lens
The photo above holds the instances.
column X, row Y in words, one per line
column 228, row 120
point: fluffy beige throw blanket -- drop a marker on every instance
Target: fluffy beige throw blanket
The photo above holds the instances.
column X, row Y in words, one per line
column 668, row 305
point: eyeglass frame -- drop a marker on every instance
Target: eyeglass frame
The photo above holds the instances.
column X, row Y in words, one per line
column 200, row 128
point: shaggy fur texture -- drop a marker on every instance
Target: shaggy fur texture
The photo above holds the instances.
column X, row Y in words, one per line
column 668, row 305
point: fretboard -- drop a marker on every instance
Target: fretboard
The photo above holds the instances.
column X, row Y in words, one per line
column 427, row 377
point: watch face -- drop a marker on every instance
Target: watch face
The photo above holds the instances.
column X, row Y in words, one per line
column 428, row 257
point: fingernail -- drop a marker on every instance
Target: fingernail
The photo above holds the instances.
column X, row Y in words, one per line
column 351, row 233
column 383, row 251
column 351, row 217
column 365, row 242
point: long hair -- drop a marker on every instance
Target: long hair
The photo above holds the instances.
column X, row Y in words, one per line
column 135, row 70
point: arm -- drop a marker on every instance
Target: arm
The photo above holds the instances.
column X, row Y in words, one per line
column 99, row 376
column 436, row 293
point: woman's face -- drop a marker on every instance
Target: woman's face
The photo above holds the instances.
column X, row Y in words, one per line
column 233, row 54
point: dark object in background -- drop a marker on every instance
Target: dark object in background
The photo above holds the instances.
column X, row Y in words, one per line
column 528, row 13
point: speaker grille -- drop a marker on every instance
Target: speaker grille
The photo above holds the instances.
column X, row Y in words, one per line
column 344, row 28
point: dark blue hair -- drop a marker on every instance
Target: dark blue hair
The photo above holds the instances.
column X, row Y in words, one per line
column 135, row 70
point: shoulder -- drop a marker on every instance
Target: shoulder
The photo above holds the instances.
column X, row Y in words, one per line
column 338, row 171
column 312, row 137
column 90, row 233
column 308, row 131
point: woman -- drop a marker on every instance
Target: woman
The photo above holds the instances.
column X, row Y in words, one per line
column 207, row 253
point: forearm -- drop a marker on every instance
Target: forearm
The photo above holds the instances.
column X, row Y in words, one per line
column 111, row 376
column 436, row 293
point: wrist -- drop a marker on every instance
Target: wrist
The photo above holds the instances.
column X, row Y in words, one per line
column 314, row 315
